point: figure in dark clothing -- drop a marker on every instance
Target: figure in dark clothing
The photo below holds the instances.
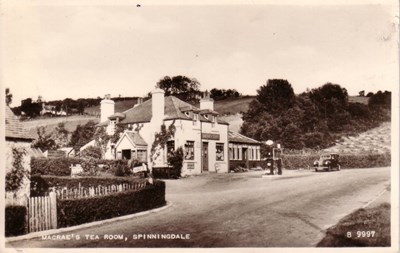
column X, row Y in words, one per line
column 279, row 165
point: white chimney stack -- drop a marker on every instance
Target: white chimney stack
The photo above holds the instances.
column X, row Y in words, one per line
column 206, row 102
column 157, row 106
column 106, row 108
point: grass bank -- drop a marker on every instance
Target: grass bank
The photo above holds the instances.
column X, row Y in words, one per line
column 369, row 227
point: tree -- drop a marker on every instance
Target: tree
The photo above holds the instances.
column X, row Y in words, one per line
column 31, row 109
column 82, row 135
column 276, row 96
column 182, row 87
column 44, row 141
column 60, row 135
column 8, row 97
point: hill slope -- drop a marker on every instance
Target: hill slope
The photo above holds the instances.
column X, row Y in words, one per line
column 376, row 140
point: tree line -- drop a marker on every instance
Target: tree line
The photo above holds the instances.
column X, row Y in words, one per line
column 314, row 119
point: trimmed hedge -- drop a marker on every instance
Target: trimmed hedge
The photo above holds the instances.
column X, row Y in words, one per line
column 61, row 166
column 40, row 184
column 73, row 212
column 15, row 220
column 346, row 161
column 166, row 173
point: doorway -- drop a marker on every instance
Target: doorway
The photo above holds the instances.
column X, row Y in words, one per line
column 204, row 154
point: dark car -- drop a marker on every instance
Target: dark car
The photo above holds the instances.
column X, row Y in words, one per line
column 327, row 162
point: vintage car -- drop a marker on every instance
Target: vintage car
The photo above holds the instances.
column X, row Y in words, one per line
column 327, row 162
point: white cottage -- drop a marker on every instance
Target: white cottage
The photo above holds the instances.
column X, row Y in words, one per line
column 199, row 131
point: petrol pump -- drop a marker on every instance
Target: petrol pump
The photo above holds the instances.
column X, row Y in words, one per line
column 274, row 157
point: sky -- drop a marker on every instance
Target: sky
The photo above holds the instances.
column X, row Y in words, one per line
column 77, row 51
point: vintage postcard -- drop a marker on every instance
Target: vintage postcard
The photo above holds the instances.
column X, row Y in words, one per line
column 247, row 126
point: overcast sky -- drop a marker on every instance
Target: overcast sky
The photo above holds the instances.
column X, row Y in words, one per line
column 88, row 51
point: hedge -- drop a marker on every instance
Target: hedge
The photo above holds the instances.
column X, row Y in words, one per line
column 166, row 173
column 346, row 161
column 15, row 220
column 40, row 184
column 71, row 212
column 61, row 166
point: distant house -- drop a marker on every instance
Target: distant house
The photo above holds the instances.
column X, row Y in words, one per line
column 18, row 138
column 51, row 110
column 204, row 137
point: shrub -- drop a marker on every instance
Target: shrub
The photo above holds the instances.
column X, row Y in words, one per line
column 40, row 184
column 176, row 160
column 78, row 211
column 92, row 152
column 15, row 220
column 121, row 169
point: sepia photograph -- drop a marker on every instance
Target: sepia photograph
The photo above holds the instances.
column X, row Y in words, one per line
column 247, row 126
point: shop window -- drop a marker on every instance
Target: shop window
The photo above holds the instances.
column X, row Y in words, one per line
column 219, row 151
column 230, row 153
column 189, row 150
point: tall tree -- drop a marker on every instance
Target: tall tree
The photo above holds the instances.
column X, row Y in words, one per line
column 182, row 87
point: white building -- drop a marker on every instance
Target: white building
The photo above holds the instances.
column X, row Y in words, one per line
column 199, row 131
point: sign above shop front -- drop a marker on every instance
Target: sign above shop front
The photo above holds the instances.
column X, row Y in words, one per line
column 207, row 136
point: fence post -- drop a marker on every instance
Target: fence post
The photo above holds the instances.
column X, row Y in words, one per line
column 53, row 209
column 27, row 215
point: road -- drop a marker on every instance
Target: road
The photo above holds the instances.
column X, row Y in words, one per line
column 241, row 210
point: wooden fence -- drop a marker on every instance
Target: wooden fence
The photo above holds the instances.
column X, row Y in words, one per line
column 42, row 213
column 86, row 192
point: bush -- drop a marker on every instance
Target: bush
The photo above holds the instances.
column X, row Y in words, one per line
column 346, row 161
column 40, row 184
column 73, row 212
column 121, row 169
column 61, row 166
column 176, row 160
column 15, row 220
column 92, row 152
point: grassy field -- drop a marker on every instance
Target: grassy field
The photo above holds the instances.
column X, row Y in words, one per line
column 50, row 124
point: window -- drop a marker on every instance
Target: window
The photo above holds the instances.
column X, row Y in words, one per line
column 195, row 119
column 142, row 155
column 189, row 150
column 230, row 153
column 170, row 148
column 220, row 151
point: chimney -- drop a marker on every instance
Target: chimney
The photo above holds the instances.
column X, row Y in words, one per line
column 206, row 102
column 106, row 108
column 157, row 106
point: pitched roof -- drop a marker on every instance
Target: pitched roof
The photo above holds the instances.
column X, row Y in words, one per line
column 136, row 138
column 239, row 138
column 174, row 108
column 14, row 128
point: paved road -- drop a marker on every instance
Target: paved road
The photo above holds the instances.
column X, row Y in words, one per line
column 243, row 210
